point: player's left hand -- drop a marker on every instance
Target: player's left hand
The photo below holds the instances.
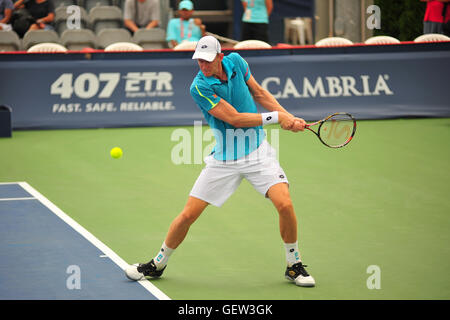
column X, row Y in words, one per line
column 299, row 125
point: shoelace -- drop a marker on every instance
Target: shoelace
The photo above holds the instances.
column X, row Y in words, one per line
column 146, row 267
column 301, row 269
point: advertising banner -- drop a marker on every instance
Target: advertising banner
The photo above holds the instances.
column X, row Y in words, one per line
column 82, row 93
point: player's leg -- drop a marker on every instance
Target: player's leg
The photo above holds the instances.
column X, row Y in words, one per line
column 267, row 176
column 177, row 232
column 181, row 224
column 281, row 199
column 246, row 32
column 215, row 184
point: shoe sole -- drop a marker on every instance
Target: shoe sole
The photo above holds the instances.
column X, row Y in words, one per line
column 301, row 284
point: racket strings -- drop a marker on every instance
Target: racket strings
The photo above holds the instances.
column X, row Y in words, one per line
column 337, row 130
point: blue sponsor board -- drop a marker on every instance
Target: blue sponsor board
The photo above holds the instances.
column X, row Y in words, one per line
column 75, row 92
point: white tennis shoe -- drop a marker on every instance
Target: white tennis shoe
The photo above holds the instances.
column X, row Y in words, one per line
column 139, row 271
column 299, row 275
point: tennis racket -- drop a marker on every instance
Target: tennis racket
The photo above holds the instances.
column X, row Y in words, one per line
column 220, row 38
column 334, row 131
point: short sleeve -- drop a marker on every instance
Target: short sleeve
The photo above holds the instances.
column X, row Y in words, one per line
column 204, row 96
column 241, row 64
column 51, row 7
column 128, row 10
column 155, row 12
column 9, row 5
column 196, row 33
column 171, row 30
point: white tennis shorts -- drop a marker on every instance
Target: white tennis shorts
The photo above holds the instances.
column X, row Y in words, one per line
column 220, row 179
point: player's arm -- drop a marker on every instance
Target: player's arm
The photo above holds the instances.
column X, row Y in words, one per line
column 7, row 17
column 171, row 34
column 152, row 24
column 18, row 3
column 263, row 97
column 130, row 24
column 202, row 27
column 47, row 19
column 268, row 101
column 227, row 113
column 269, row 7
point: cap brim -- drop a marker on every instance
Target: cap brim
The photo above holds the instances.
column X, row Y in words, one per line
column 208, row 56
column 186, row 6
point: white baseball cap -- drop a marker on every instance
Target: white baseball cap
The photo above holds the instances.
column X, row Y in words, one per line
column 207, row 48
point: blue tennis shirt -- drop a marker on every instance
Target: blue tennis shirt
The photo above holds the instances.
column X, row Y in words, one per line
column 256, row 12
column 231, row 143
column 180, row 30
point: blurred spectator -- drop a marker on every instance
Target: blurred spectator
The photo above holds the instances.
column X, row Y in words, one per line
column 6, row 8
column 255, row 21
column 436, row 15
column 446, row 15
column 184, row 28
column 42, row 13
column 141, row 14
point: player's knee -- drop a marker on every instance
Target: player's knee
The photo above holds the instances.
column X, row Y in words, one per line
column 285, row 207
column 187, row 218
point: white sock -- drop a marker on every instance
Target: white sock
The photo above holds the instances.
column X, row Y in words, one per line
column 163, row 256
column 292, row 253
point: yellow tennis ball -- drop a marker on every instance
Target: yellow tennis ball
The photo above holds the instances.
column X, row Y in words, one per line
column 116, row 152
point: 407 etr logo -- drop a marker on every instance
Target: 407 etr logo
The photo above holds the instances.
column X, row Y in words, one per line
column 103, row 85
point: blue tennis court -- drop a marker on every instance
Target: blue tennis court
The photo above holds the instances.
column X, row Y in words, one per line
column 46, row 255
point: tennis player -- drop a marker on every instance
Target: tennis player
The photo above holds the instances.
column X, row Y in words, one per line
column 225, row 91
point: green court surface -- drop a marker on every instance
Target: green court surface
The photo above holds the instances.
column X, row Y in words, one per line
column 381, row 201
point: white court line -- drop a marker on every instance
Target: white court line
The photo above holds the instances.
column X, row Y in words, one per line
column 92, row 239
column 14, row 199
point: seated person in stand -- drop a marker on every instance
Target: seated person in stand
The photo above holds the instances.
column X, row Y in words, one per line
column 42, row 11
column 6, row 8
column 184, row 28
column 139, row 14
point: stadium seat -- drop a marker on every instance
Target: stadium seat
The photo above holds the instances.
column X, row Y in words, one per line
column 123, row 47
column 78, row 39
column 186, row 45
column 298, row 31
column 47, row 47
column 381, row 40
column 102, row 17
column 166, row 13
column 431, row 37
column 119, row 3
column 333, row 42
column 89, row 4
column 33, row 37
column 63, row 3
column 150, row 38
column 9, row 41
column 111, row 35
column 63, row 16
column 252, row 44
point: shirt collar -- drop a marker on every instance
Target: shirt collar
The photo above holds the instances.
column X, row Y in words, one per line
column 230, row 70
